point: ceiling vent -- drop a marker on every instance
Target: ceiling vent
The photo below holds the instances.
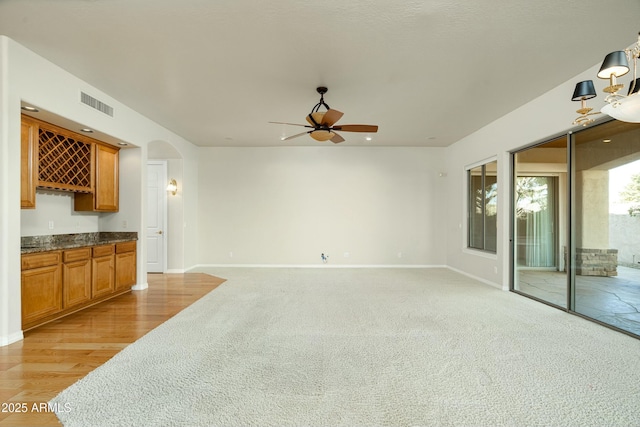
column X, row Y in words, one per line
column 94, row 103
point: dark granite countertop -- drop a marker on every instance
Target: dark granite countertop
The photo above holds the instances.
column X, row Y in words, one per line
column 55, row 242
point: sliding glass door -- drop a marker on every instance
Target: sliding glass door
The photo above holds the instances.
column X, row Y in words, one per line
column 540, row 184
column 606, row 236
column 576, row 224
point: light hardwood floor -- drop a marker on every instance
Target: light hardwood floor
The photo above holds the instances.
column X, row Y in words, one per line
column 54, row 356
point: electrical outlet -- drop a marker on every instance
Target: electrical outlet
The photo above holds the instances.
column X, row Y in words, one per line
column 230, row 254
column 125, row 224
column 399, row 254
column 50, row 224
column 346, row 254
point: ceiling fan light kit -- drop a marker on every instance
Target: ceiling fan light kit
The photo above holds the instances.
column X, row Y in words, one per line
column 322, row 123
column 322, row 135
column 620, row 107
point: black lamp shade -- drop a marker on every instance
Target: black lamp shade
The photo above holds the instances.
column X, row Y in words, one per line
column 584, row 90
column 634, row 86
column 614, row 63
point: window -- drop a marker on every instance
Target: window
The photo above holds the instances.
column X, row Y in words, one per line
column 482, row 206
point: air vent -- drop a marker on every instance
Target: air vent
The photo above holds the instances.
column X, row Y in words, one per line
column 94, row 103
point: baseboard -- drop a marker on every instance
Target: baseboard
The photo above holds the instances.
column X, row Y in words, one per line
column 175, row 271
column 479, row 279
column 199, row 266
column 15, row 337
column 140, row 287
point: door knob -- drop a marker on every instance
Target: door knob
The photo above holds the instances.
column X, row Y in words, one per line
column 159, row 231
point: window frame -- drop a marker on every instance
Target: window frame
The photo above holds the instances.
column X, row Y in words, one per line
column 470, row 197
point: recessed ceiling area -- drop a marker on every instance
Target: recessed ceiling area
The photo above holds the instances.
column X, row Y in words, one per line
column 49, row 117
column 427, row 72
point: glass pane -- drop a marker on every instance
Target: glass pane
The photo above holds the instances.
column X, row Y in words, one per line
column 607, row 226
column 540, row 222
column 490, row 206
column 476, row 209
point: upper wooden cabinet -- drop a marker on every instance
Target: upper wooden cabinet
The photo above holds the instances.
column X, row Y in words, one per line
column 105, row 195
column 28, row 163
column 59, row 159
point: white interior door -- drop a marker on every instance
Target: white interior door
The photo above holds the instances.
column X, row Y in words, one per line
column 156, row 216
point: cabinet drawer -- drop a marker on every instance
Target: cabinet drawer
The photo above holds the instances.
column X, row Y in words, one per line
column 125, row 247
column 76, row 255
column 44, row 259
column 104, row 250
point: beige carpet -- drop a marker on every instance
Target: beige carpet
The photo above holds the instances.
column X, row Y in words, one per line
column 375, row 347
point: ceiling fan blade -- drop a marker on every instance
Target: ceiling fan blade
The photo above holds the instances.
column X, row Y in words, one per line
column 292, row 124
column 295, row 136
column 357, row 128
column 330, row 117
column 337, row 139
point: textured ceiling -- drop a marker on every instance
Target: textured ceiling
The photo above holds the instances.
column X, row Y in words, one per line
column 427, row 72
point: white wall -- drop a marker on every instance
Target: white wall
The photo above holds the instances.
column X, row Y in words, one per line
column 10, row 328
column 541, row 119
column 176, row 223
column 129, row 216
column 287, row 205
column 175, row 219
column 56, row 207
column 25, row 76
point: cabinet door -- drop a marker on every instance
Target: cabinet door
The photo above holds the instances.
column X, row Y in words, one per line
column 28, row 163
column 105, row 195
column 76, row 282
column 125, row 270
column 41, row 293
column 102, row 275
column 106, row 192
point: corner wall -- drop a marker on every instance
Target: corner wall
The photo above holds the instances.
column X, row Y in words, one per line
column 539, row 120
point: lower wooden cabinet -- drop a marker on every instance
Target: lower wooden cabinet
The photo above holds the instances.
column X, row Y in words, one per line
column 103, row 271
column 76, row 277
column 58, row 283
column 41, row 286
column 125, row 265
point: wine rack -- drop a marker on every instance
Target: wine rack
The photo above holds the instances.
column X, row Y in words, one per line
column 64, row 162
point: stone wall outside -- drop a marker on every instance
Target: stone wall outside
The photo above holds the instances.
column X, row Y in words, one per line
column 624, row 235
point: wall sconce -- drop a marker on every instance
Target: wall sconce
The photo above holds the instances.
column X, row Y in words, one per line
column 172, row 187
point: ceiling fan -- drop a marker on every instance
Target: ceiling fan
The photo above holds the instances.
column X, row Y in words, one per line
column 322, row 124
